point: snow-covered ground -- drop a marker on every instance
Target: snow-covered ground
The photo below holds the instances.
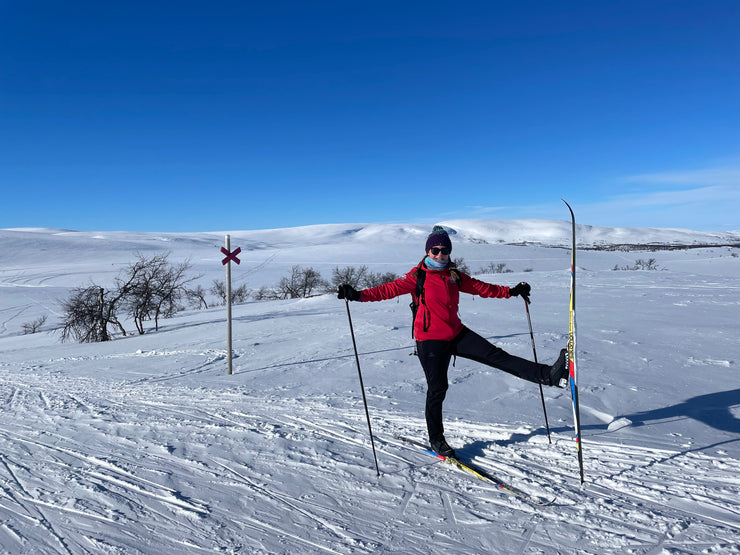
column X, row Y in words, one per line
column 145, row 445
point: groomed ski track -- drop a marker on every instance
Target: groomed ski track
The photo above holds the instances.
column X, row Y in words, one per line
column 155, row 462
column 296, row 479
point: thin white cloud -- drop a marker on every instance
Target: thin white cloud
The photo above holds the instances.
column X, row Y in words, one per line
column 726, row 176
column 485, row 210
column 705, row 186
column 697, row 195
column 699, row 199
column 704, row 199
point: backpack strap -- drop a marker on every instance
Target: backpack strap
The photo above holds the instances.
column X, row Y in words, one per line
column 418, row 297
column 421, row 276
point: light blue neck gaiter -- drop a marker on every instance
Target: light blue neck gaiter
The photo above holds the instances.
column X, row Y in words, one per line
column 432, row 264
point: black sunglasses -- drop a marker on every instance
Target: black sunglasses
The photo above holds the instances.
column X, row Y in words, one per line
column 436, row 250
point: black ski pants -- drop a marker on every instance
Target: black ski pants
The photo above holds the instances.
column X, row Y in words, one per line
column 435, row 358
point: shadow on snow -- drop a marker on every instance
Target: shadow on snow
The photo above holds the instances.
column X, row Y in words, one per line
column 712, row 409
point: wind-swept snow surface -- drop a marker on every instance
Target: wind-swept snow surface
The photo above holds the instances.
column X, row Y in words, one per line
column 145, row 445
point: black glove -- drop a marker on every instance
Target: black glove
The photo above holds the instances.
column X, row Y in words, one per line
column 346, row 291
column 522, row 289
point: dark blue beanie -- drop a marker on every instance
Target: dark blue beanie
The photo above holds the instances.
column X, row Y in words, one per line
column 437, row 237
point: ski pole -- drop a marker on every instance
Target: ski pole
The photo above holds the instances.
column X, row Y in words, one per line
column 362, row 386
column 534, row 350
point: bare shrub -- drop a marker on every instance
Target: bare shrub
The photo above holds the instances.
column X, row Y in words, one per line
column 35, row 326
column 640, row 264
column 197, row 297
column 239, row 294
column 154, row 289
column 495, row 268
column 356, row 277
column 359, row 278
column 462, row 265
column 149, row 288
column 265, row 293
column 373, row 279
column 87, row 314
column 301, row 283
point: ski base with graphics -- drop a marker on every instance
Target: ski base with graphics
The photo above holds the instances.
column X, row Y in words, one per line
column 572, row 368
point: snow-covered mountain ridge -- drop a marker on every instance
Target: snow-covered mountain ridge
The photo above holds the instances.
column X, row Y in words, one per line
column 548, row 233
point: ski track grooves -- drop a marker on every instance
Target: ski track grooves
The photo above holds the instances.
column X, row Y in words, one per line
column 81, row 483
column 623, row 497
column 42, row 520
column 291, row 505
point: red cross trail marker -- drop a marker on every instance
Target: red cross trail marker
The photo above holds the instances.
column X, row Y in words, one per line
column 230, row 255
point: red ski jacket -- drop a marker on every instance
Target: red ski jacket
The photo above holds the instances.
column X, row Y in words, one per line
column 441, row 299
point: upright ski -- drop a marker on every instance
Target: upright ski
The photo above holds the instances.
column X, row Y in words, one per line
column 477, row 472
column 573, row 371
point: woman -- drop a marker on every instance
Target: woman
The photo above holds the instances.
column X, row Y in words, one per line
column 440, row 334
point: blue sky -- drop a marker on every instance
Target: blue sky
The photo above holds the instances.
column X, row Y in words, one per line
column 198, row 116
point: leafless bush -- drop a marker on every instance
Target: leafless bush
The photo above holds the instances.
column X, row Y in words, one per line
column 462, row 265
column 301, row 283
column 373, row 279
column 35, row 326
column 350, row 275
column 640, row 264
column 149, row 288
column 154, row 289
column 239, row 294
column 265, row 293
column 359, row 278
column 197, row 297
column 87, row 314
column 495, row 268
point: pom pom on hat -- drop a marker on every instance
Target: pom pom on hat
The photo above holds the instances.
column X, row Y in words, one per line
column 438, row 237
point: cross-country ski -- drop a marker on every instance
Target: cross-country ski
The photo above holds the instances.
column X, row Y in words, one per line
column 480, row 473
column 572, row 368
